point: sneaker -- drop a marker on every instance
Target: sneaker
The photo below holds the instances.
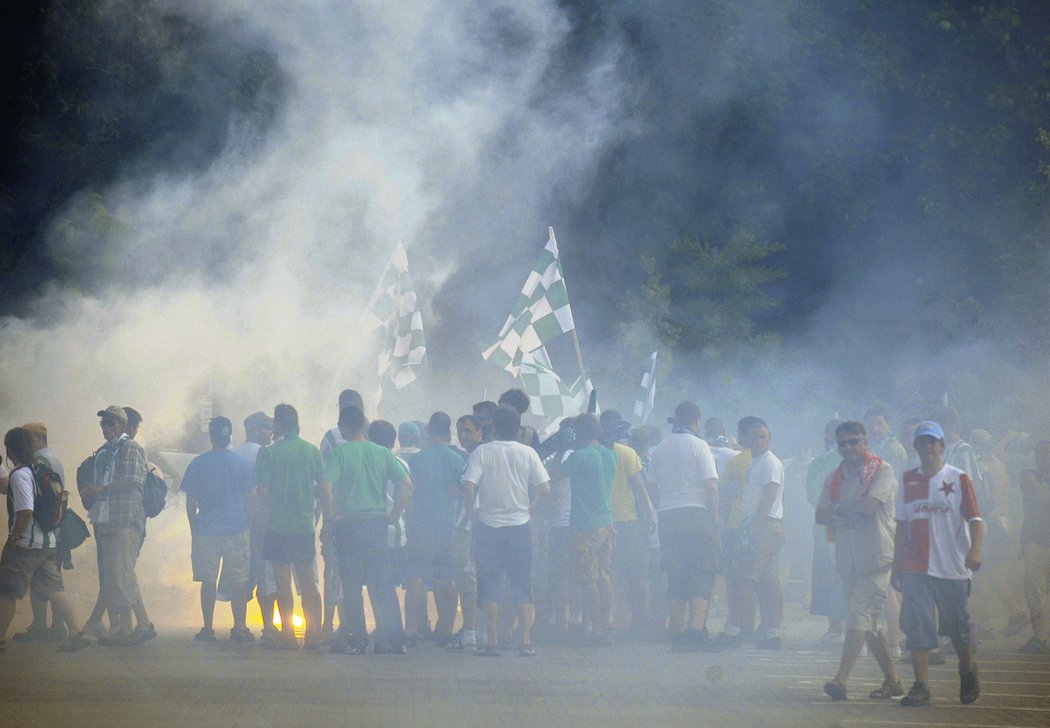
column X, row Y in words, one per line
column 488, row 651
column 729, row 642
column 831, row 638
column 207, row 634
column 144, row 634
column 241, row 634
column 1018, row 623
column 918, row 695
column 969, row 686
column 1034, row 646
column 835, row 690
column 769, row 643
column 74, row 644
column 56, row 633
column 33, row 634
column 94, row 629
column 119, row 639
column 887, row 691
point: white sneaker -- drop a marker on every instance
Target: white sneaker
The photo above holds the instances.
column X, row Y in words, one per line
column 831, row 638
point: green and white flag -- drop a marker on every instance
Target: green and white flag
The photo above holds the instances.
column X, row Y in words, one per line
column 646, row 397
column 540, row 314
column 393, row 315
column 549, row 396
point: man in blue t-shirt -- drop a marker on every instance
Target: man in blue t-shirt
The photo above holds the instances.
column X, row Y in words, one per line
column 217, row 485
column 431, row 519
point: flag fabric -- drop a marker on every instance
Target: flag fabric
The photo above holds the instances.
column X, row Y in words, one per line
column 646, row 397
column 549, row 396
column 540, row 313
column 393, row 315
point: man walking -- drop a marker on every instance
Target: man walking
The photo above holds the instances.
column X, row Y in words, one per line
column 857, row 503
column 937, row 549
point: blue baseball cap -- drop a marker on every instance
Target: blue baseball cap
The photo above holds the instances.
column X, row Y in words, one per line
column 929, row 428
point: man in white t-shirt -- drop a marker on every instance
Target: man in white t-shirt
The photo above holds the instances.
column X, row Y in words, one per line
column 39, row 630
column 502, row 473
column 762, row 511
column 29, row 561
column 683, row 471
column 936, row 550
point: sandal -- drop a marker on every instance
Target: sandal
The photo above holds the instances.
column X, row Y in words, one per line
column 887, row 691
column 835, row 690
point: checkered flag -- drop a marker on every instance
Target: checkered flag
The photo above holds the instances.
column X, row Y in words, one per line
column 393, row 316
column 646, row 397
column 540, row 314
column 548, row 395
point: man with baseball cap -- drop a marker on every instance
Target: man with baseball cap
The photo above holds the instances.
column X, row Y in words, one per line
column 119, row 518
column 936, row 550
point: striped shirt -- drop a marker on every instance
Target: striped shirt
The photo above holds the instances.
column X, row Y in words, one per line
column 20, row 497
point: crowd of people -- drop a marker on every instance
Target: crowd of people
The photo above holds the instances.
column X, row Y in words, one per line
column 629, row 531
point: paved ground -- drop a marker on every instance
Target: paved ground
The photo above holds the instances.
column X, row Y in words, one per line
column 173, row 681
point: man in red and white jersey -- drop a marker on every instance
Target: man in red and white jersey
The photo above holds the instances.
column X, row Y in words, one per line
column 936, row 550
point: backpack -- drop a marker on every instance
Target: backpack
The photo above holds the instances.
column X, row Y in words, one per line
column 49, row 497
column 154, row 492
column 85, row 477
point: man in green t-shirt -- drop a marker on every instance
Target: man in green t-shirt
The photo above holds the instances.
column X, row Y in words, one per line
column 357, row 512
column 289, row 477
column 590, row 472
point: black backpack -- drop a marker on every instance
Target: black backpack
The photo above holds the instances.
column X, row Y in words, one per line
column 49, row 497
column 154, row 492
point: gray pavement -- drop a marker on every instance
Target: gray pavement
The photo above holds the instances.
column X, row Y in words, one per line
column 174, row 681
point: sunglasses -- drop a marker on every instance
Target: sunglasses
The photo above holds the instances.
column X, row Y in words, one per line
column 851, row 442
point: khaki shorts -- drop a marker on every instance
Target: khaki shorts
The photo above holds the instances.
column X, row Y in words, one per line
column 465, row 577
column 22, row 569
column 234, row 553
column 592, row 555
column 764, row 567
column 866, row 599
column 120, row 550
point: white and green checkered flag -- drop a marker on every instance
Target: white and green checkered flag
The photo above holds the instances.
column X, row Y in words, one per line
column 646, row 397
column 540, row 314
column 549, row 396
column 393, row 315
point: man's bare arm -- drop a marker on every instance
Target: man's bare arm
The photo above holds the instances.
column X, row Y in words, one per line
column 973, row 558
column 542, row 491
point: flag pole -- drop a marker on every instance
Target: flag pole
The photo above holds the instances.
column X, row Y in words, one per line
column 579, row 355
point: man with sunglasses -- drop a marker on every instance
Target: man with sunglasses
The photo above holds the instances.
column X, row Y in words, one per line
column 119, row 518
column 858, row 503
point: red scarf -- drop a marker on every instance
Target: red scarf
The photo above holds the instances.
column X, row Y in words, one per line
column 869, row 470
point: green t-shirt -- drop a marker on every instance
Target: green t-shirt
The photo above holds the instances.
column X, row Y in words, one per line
column 358, row 472
column 590, row 472
column 289, row 469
